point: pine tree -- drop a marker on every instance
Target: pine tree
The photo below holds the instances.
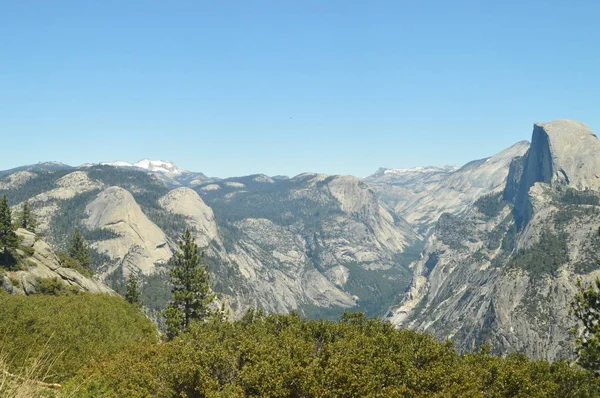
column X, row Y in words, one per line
column 79, row 250
column 133, row 292
column 192, row 295
column 27, row 220
column 586, row 308
column 8, row 238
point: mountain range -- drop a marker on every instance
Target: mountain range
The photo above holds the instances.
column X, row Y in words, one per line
column 488, row 253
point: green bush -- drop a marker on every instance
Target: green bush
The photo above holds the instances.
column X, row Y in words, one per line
column 54, row 287
column 74, row 329
column 286, row 356
column 69, row 262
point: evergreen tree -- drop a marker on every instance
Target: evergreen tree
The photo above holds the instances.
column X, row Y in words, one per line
column 79, row 250
column 192, row 295
column 8, row 238
column 27, row 220
column 133, row 291
column 586, row 308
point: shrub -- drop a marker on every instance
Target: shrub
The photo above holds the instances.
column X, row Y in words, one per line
column 286, row 356
column 76, row 329
column 69, row 262
column 52, row 286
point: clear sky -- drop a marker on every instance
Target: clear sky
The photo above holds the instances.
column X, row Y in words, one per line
column 282, row 87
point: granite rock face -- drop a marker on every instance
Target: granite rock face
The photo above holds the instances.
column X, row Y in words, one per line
column 505, row 272
column 17, row 179
column 573, row 155
column 199, row 217
column 562, row 153
column 47, row 203
column 140, row 244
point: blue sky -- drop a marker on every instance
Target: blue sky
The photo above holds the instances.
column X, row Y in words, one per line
column 282, row 87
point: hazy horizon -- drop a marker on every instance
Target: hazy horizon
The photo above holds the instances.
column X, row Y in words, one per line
column 457, row 166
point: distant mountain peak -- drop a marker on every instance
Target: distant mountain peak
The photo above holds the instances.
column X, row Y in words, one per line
column 421, row 169
column 52, row 163
column 158, row 166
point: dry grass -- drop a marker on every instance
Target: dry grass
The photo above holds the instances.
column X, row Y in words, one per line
column 28, row 380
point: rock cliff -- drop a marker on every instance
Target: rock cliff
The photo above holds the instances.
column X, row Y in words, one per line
column 504, row 272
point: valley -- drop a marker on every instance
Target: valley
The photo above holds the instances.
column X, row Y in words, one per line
column 452, row 251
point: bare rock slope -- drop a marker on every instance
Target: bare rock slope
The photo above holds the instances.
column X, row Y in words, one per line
column 200, row 218
column 139, row 245
column 47, row 203
column 504, row 273
column 421, row 195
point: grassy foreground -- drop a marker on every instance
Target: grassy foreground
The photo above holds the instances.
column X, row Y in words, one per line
column 64, row 333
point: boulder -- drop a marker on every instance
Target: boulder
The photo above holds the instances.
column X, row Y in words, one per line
column 27, row 238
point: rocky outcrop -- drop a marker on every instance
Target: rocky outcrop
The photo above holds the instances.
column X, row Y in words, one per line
column 358, row 229
column 199, row 217
column 69, row 186
column 369, row 232
column 563, row 153
column 42, row 263
column 566, row 152
column 505, row 272
column 140, row 244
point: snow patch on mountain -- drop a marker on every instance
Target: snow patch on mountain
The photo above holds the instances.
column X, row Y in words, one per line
column 158, row 166
column 117, row 164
